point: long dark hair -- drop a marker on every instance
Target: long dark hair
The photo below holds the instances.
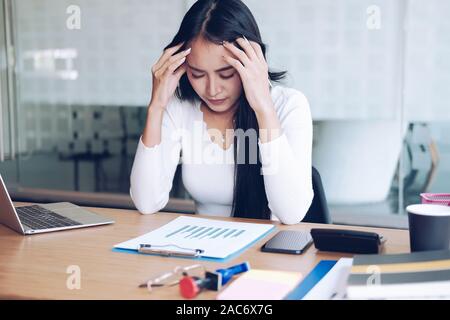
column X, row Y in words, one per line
column 226, row 20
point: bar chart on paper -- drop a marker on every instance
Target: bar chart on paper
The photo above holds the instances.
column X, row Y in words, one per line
column 192, row 232
column 216, row 239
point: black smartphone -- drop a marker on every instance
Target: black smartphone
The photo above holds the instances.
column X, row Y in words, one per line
column 288, row 241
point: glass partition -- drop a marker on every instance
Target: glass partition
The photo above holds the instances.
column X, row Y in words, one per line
column 375, row 75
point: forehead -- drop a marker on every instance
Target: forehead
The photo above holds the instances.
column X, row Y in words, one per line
column 206, row 55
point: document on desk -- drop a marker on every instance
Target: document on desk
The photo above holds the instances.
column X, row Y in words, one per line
column 333, row 285
column 214, row 238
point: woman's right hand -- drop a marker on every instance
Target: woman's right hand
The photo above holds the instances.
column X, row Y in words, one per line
column 166, row 75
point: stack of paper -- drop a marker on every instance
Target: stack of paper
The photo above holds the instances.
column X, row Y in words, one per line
column 401, row 276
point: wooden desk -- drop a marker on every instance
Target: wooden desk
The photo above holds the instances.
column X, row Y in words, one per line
column 35, row 267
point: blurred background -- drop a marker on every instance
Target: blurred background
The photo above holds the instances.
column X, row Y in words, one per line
column 75, row 83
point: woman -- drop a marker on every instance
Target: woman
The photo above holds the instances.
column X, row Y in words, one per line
column 245, row 145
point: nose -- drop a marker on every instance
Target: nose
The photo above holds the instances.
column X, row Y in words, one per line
column 213, row 87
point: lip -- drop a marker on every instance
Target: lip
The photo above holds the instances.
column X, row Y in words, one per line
column 217, row 102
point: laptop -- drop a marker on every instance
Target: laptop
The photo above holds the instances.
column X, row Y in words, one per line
column 45, row 217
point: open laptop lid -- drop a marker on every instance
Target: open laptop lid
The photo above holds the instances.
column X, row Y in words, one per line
column 8, row 215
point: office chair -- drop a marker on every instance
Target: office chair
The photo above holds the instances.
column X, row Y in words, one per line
column 318, row 211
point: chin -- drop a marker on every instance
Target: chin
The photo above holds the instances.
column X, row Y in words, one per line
column 227, row 106
column 219, row 109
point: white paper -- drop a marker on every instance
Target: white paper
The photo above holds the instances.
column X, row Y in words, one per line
column 333, row 284
column 218, row 239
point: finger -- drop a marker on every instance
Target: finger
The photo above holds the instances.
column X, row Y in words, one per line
column 237, row 65
column 258, row 50
column 241, row 55
column 170, row 51
column 171, row 68
column 245, row 44
column 175, row 58
column 167, row 53
column 179, row 73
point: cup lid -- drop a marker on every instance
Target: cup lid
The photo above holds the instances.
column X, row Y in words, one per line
column 429, row 209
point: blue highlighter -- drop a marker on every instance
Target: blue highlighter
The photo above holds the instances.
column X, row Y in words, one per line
column 228, row 273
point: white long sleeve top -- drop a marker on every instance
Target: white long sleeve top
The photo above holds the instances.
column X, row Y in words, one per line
column 208, row 169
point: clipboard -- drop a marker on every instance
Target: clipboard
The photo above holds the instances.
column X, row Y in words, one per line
column 157, row 242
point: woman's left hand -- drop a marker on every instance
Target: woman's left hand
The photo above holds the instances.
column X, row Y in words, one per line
column 253, row 69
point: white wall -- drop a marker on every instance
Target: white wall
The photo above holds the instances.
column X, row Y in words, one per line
column 346, row 70
column 427, row 70
column 117, row 44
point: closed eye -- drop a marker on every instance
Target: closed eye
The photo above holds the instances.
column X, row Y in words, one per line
column 195, row 76
column 227, row 76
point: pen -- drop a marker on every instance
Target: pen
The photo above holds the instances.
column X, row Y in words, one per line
column 151, row 249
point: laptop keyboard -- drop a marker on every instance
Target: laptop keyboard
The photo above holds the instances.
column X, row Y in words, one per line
column 37, row 217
